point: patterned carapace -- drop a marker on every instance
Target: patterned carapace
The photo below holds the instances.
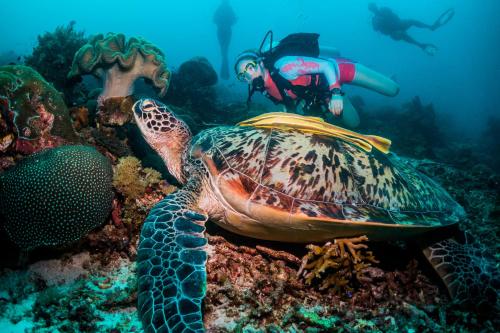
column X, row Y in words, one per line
column 322, row 177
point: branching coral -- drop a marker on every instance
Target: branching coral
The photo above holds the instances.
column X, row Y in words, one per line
column 119, row 64
column 131, row 180
column 337, row 263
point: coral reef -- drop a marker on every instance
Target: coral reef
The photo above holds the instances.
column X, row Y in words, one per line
column 192, row 90
column 107, row 138
column 9, row 58
column 335, row 265
column 115, row 111
column 196, row 73
column 56, row 196
column 489, row 143
column 53, row 55
column 119, row 64
column 251, row 291
column 254, row 286
column 413, row 130
column 80, row 117
column 141, row 189
column 33, row 111
column 477, row 190
column 79, row 294
column 131, row 180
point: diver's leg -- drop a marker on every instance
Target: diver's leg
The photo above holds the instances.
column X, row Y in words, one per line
column 414, row 23
column 224, row 37
column 350, row 116
column 368, row 78
column 430, row 49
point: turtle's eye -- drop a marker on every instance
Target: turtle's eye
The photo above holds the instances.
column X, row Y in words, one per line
column 148, row 106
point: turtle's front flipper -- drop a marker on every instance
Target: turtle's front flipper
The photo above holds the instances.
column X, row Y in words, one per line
column 469, row 273
column 171, row 266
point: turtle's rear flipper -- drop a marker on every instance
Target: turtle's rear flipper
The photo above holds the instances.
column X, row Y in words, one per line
column 471, row 276
column 171, row 266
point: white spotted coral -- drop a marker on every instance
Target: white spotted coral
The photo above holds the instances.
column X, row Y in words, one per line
column 56, row 196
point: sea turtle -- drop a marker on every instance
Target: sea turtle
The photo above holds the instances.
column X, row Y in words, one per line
column 286, row 186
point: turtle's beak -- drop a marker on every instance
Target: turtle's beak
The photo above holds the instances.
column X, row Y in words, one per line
column 137, row 108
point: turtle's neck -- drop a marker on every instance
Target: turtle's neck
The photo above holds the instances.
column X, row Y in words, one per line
column 173, row 154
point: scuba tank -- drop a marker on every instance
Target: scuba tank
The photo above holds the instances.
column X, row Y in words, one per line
column 299, row 44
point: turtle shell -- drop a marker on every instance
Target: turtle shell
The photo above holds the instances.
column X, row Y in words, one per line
column 296, row 186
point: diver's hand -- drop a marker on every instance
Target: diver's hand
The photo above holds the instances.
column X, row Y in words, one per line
column 336, row 104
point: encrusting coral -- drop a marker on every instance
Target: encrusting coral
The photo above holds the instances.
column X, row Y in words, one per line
column 335, row 265
column 115, row 111
column 56, row 196
column 119, row 64
column 33, row 110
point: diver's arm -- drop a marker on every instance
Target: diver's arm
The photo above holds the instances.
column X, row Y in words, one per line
column 291, row 67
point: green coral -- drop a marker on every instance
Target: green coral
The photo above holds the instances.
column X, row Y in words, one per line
column 56, row 196
column 39, row 115
column 119, row 63
column 337, row 264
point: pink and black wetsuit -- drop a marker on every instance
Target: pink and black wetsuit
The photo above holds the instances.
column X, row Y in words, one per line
column 299, row 77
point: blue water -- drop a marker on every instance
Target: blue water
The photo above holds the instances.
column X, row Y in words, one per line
column 462, row 80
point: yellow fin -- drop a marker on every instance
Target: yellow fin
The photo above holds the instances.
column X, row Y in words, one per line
column 284, row 115
column 315, row 125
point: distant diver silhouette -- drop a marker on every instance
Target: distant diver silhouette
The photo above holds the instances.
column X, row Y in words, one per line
column 386, row 22
column 224, row 18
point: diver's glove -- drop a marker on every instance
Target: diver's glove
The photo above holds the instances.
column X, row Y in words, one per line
column 336, row 104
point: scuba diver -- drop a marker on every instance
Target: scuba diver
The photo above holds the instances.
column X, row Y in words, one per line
column 292, row 73
column 224, row 18
column 386, row 22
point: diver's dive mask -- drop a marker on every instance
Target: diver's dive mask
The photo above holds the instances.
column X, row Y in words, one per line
column 244, row 75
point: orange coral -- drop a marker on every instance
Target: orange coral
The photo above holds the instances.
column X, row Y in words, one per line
column 335, row 265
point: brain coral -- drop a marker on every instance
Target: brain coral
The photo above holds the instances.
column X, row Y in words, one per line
column 56, row 196
column 119, row 63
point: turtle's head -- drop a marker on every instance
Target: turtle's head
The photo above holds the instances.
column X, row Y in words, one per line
column 164, row 132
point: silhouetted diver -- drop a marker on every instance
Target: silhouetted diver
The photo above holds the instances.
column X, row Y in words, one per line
column 386, row 22
column 224, row 18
